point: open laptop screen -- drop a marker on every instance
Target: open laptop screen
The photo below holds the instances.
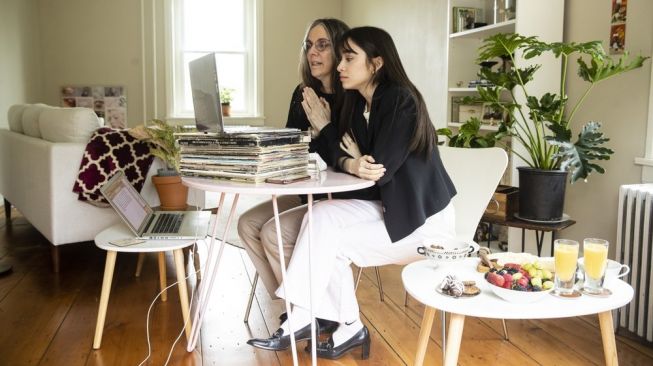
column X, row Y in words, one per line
column 126, row 200
column 206, row 93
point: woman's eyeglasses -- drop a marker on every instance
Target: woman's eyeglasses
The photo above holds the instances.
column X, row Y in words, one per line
column 320, row 45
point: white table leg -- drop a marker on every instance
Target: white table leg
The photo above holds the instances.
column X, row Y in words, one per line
column 310, row 280
column 104, row 298
column 607, row 334
column 183, row 290
column 205, row 286
column 282, row 263
column 456, row 324
column 424, row 333
column 162, row 276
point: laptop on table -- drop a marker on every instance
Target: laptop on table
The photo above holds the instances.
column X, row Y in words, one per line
column 148, row 224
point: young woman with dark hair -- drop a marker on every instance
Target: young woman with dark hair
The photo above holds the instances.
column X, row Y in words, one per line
column 387, row 136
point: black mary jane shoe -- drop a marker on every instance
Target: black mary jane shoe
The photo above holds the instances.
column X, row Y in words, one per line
column 279, row 341
column 325, row 326
column 361, row 338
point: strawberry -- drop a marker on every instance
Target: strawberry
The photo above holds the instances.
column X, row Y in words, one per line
column 507, row 278
column 523, row 282
column 495, row 279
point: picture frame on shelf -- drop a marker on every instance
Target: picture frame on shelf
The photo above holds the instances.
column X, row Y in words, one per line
column 464, row 18
column 469, row 111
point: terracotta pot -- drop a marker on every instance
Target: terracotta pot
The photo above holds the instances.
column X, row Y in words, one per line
column 226, row 110
column 172, row 193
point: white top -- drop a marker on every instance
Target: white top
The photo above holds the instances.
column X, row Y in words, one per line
column 329, row 182
column 121, row 231
column 422, row 277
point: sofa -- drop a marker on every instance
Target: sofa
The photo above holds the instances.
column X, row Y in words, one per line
column 40, row 155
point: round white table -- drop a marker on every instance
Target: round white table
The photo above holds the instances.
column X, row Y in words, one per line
column 327, row 182
column 422, row 277
column 121, row 231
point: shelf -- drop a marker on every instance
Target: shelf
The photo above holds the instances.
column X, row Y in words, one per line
column 486, row 31
column 462, row 90
column 482, row 128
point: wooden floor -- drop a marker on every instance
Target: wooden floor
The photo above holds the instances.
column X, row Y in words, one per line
column 49, row 319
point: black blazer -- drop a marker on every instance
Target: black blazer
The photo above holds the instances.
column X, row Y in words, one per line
column 413, row 187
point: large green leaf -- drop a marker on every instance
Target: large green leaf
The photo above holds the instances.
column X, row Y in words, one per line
column 579, row 158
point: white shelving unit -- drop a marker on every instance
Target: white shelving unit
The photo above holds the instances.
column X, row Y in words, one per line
column 543, row 19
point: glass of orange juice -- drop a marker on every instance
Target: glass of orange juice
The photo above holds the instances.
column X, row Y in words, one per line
column 565, row 253
column 595, row 252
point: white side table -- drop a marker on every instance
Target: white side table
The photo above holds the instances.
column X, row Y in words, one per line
column 120, row 231
column 422, row 277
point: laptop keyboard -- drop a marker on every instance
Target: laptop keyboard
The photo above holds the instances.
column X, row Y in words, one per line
column 168, row 223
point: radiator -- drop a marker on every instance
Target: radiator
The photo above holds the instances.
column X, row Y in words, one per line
column 634, row 238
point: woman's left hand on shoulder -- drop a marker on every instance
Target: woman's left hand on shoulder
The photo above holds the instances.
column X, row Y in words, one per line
column 317, row 109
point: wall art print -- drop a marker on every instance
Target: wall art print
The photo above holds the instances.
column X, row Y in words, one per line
column 618, row 27
column 108, row 102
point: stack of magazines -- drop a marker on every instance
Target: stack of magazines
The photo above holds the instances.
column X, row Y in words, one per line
column 246, row 156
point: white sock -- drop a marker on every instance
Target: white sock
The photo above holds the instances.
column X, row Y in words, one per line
column 300, row 318
column 346, row 331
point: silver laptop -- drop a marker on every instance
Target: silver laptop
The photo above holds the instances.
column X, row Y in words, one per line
column 147, row 223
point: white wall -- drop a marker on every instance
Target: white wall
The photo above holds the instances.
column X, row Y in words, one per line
column 620, row 104
column 419, row 30
column 20, row 73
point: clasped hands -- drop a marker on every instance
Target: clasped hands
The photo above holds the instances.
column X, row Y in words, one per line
column 317, row 109
column 362, row 166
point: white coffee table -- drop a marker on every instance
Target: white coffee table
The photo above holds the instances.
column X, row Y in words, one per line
column 121, row 231
column 421, row 279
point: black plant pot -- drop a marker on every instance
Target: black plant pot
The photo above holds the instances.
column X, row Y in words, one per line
column 541, row 194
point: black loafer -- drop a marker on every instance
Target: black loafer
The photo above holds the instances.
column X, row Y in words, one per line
column 325, row 326
column 279, row 341
column 361, row 338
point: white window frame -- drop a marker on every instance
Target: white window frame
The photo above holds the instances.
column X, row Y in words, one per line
column 647, row 160
column 253, row 65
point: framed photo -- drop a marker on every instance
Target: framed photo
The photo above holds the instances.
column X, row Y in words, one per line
column 469, row 111
column 108, row 102
column 492, row 115
column 464, row 18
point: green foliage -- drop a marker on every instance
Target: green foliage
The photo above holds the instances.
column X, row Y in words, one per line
column 468, row 135
column 226, row 95
column 162, row 141
column 542, row 124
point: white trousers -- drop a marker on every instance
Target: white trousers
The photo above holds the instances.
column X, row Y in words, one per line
column 346, row 231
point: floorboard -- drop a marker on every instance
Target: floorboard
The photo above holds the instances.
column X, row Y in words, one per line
column 49, row 319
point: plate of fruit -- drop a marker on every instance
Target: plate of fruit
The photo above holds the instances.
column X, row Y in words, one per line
column 520, row 283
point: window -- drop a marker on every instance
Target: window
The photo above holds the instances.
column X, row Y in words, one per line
column 226, row 27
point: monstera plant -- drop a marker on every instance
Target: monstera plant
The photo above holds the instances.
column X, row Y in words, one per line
column 541, row 124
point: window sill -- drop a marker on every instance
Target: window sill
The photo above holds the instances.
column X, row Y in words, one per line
column 239, row 121
column 647, row 169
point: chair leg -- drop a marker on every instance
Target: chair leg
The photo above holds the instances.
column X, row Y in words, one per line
column 505, row 330
column 443, row 322
column 54, row 253
column 104, row 298
column 405, row 298
column 251, row 298
column 378, row 280
column 139, row 264
column 196, row 264
column 7, row 211
column 358, row 278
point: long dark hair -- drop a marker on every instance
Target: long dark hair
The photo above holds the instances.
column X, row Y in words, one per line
column 377, row 42
column 335, row 28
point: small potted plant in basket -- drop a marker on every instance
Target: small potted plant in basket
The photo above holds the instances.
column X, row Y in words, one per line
column 542, row 124
column 160, row 135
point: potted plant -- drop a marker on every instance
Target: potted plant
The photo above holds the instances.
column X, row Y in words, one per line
column 542, row 124
column 225, row 99
column 160, row 135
